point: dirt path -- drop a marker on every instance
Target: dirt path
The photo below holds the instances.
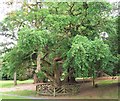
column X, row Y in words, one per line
column 19, row 87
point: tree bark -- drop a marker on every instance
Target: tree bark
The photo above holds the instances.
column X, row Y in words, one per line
column 15, row 79
column 49, row 76
column 93, row 79
column 70, row 78
column 93, row 82
column 38, row 68
column 35, row 78
column 67, row 77
column 38, row 62
column 57, row 81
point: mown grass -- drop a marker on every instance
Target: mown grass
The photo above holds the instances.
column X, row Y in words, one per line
column 22, row 93
column 10, row 83
column 10, row 97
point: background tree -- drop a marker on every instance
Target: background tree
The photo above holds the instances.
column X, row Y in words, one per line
column 89, row 57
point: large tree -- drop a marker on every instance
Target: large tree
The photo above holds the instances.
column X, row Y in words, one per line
column 48, row 30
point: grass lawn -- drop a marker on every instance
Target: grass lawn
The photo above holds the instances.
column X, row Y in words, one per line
column 10, row 83
column 22, row 93
column 10, row 97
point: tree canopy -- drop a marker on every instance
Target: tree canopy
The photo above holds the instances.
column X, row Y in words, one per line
column 62, row 36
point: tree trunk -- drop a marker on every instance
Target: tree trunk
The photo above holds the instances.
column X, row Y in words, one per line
column 35, row 78
column 38, row 62
column 55, row 76
column 15, row 79
column 57, row 81
column 93, row 79
column 93, row 82
column 69, row 78
column 72, row 79
column 38, row 68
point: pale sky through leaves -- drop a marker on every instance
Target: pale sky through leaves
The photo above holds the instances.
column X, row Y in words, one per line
column 4, row 9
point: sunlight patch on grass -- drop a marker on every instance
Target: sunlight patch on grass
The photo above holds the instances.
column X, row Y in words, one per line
column 106, row 82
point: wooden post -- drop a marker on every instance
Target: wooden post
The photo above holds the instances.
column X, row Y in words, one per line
column 54, row 92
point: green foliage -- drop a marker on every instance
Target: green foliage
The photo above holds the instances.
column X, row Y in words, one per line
column 70, row 30
column 86, row 55
column 100, row 56
column 5, row 72
column 13, row 59
column 31, row 40
column 41, row 75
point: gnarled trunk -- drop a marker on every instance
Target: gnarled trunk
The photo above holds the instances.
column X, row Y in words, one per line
column 55, row 78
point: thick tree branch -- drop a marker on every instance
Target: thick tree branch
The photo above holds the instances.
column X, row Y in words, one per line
column 46, row 62
column 51, row 78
